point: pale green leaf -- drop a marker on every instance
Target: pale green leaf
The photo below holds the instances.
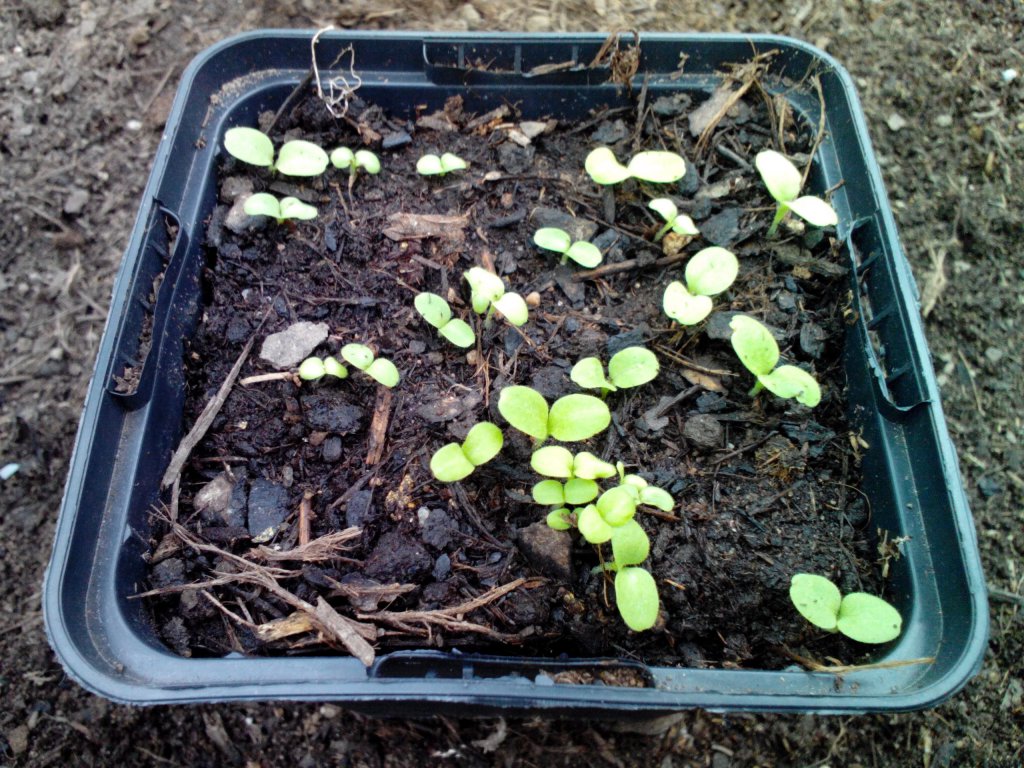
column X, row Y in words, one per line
column 384, row 371
column 684, row 225
column 262, row 204
column 293, row 208
column 311, row 369
column 630, row 545
column 250, row 146
column 433, row 308
column 552, row 461
column 429, row 165
column 616, row 506
column 333, row 368
column 548, row 492
column 552, row 239
column 589, row 374
column 814, row 211
column 868, row 619
column 526, row 410
column 342, row 157
column 357, row 355
column 450, row 162
column 449, row 464
column 604, row 168
column 816, row 598
column 754, row 345
column 589, row 467
column 665, row 207
column 458, row 332
column 368, row 161
column 485, row 286
column 559, row 520
column 658, row 167
column 513, row 308
column 780, row 175
column 592, row 526
column 683, row 307
column 482, row 443
column 632, row 367
column 636, row 596
column 788, row 381
column 579, row 491
column 578, row 417
column 711, row 271
column 301, row 158
column 634, row 481
column 657, row 497
column 585, row 254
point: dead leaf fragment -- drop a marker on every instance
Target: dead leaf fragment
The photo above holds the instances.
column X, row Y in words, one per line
column 416, row 226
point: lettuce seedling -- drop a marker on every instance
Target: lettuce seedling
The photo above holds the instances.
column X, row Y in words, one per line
column 455, row 462
column 558, row 240
column 858, row 615
column 360, row 356
column 710, row 272
column 313, row 368
column 679, row 223
column 657, row 167
column 579, row 471
column 570, row 419
column 629, row 367
column 432, row 165
column 265, row 204
column 436, row 311
column 643, row 492
column 488, row 295
column 636, row 593
column 345, row 158
column 784, row 181
column 296, row 158
column 757, row 350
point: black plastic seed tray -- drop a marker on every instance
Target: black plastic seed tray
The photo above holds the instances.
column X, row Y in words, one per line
column 911, row 477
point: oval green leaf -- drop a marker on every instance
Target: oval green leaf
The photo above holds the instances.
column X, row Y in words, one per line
column 293, row 208
column 578, row 417
column 458, row 332
column 632, row 367
column 816, row 598
column 589, row 467
column 634, row 481
column 585, row 254
column 684, row 307
column 311, row 369
column 559, row 520
column 482, row 443
column 548, row 492
column 711, row 271
column 780, row 175
column 449, row 464
column 526, row 410
column 630, row 545
column 657, row 497
column 384, row 371
column 485, row 286
column 429, row 165
column 616, row 506
column 636, row 596
column 578, row 491
column 788, row 381
column 262, row 204
column 342, row 157
column 592, row 526
column 333, row 368
column 589, row 374
column 513, row 308
column 657, row 167
column 754, row 345
column 665, row 207
column 814, row 211
column 433, row 308
column 368, row 161
column 604, row 168
column 450, row 162
column 301, row 158
column 552, row 461
column 868, row 619
column 250, row 146
column 684, row 225
column 552, row 239
column 357, row 355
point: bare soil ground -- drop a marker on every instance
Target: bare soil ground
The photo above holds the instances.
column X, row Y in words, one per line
column 84, row 88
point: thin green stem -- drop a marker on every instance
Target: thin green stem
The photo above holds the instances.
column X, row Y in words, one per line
column 780, row 214
column 758, row 386
column 663, row 231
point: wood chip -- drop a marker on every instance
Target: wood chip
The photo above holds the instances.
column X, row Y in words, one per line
column 415, row 226
column 379, row 426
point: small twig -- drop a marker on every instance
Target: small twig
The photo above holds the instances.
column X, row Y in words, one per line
column 205, row 420
column 742, row 449
column 821, row 129
column 325, row 547
column 625, row 266
column 841, row 669
column 1005, row 596
column 260, row 378
column 379, row 426
column 305, row 513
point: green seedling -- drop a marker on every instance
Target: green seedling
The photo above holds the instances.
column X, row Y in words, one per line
column 570, row 419
column 579, row 472
column 757, row 350
column 784, row 181
column 558, row 240
column 679, row 223
column 345, row 158
column 313, row 368
column 455, row 462
column 643, row 492
column 265, row 204
column 858, row 615
column 436, row 311
column 360, row 356
column 296, row 158
column 488, row 295
column 657, row 167
column 629, row 367
column 636, row 593
column 432, row 165
column 710, row 272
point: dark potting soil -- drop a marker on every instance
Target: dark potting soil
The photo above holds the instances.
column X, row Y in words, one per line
column 764, row 488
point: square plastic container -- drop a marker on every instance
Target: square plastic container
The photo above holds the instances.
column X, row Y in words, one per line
column 911, row 476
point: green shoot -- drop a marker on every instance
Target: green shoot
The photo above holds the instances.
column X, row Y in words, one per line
column 296, row 158
column 681, row 224
column 362, row 357
column 636, row 597
column 488, row 295
column 436, row 311
column 757, row 350
column 455, row 462
column 570, row 419
column 710, row 272
column 583, row 253
column 556, row 461
column 643, row 492
column 784, row 181
column 432, row 165
column 860, row 616
column 657, row 167
column 265, row 204
column 345, row 158
column 629, row 367
column 313, row 368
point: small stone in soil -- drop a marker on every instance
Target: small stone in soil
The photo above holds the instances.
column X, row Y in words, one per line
column 551, row 381
column 234, row 187
column 330, row 413
column 222, row 501
column 395, row 139
column 578, row 229
column 575, row 292
column 701, row 208
column 812, row 338
column 176, row 635
column 690, row 183
column 238, row 330
column 989, row 486
column 398, row 558
column 442, row 567
column 438, row 527
column 358, row 511
column 417, row 347
column 513, row 340
column 610, row 132
column 547, row 550
column 331, row 450
column 287, row 348
column 268, row 508
column 240, row 222
column 168, row 573
column 786, row 302
column 449, row 407
column 75, row 202
column 632, row 338
column 515, row 159
column 607, row 239
column 722, row 229
column 704, row 432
